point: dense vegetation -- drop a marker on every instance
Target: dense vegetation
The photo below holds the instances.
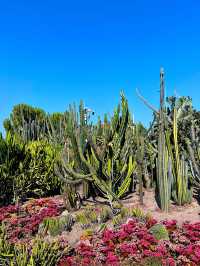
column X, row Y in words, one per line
column 45, row 155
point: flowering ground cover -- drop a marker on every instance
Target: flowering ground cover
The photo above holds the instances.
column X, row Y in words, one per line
column 137, row 241
column 22, row 222
column 133, row 244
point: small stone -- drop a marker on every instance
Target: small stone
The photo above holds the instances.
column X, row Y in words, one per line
column 64, row 213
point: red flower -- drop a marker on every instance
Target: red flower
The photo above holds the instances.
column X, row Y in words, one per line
column 86, row 262
column 66, row 261
column 169, row 262
column 85, row 250
column 144, row 243
column 108, row 235
column 128, row 249
column 112, row 259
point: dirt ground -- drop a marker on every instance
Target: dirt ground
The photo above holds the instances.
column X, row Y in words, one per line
column 181, row 214
column 188, row 213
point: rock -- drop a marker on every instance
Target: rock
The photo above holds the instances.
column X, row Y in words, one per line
column 64, row 213
column 74, row 235
column 85, row 242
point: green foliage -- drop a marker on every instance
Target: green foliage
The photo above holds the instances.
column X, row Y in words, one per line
column 103, row 162
column 82, row 219
column 36, row 253
column 26, row 170
column 122, row 216
column 56, row 225
column 137, row 213
column 91, row 214
column 182, row 192
column 27, row 122
column 43, row 153
column 117, row 220
column 13, row 161
column 159, row 231
column 41, row 178
column 87, row 217
column 105, row 214
column 88, row 232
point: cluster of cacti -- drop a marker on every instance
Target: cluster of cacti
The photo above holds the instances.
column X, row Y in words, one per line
column 56, row 225
column 104, row 162
column 108, row 159
column 173, row 177
column 181, row 190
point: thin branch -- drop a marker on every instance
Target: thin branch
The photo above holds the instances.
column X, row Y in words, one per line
column 146, row 102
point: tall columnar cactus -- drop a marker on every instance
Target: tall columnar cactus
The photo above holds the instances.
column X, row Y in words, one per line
column 163, row 160
column 182, row 190
column 140, row 161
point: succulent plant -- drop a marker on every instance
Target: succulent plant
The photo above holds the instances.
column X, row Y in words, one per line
column 159, row 231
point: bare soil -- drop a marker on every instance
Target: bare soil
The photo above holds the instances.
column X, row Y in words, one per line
column 188, row 213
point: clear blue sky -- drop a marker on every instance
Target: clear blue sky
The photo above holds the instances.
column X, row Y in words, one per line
column 55, row 52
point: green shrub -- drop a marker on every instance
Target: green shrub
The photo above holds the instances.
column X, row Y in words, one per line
column 26, row 170
column 159, row 231
column 13, row 161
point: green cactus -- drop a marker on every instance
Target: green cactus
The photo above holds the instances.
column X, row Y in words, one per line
column 163, row 160
column 105, row 214
column 104, row 164
column 56, row 225
column 182, row 191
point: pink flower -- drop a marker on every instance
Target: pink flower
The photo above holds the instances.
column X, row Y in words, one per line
column 128, row 249
column 148, row 253
column 85, row 250
column 170, row 224
column 197, row 252
column 162, row 249
column 66, row 261
column 151, row 222
column 169, row 262
column 112, row 259
column 123, row 234
column 86, row 261
column 108, row 235
column 109, row 247
column 144, row 243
